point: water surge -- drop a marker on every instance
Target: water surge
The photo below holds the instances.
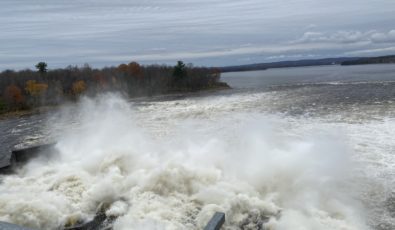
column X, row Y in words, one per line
column 154, row 172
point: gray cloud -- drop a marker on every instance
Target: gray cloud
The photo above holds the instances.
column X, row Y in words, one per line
column 383, row 37
column 349, row 37
column 380, row 51
column 206, row 32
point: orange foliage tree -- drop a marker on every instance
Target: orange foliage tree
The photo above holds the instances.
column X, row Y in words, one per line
column 13, row 95
column 79, row 87
column 134, row 69
column 123, row 68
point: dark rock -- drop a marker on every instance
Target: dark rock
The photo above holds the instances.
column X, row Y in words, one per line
column 100, row 222
column 95, row 224
column 254, row 220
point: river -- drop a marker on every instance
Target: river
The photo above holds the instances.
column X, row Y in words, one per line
column 290, row 148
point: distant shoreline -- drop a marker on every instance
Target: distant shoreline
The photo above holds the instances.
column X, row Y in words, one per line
column 312, row 66
column 389, row 59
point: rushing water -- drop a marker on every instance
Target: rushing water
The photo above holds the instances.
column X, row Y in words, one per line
column 295, row 148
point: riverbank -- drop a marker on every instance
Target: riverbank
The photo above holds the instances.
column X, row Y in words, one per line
column 26, row 112
column 45, row 109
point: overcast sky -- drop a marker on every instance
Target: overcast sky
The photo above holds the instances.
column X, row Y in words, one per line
column 204, row 32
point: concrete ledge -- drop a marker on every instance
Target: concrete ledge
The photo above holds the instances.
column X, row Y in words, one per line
column 21, row 156
column 216, row 222
column 26, row 154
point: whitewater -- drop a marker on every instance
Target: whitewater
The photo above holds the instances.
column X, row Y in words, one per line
column 304, row 155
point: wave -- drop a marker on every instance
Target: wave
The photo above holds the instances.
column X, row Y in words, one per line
column 257, row 169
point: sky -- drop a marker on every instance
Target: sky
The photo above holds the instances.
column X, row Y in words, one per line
column 202, row 32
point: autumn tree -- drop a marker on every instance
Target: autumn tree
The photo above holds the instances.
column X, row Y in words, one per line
column 101, row 81
column 35, row 89
column 58, row 85
column 13, row 96
column 41, row 67
column 78, row 87
column 134, row 69
column 123, row 68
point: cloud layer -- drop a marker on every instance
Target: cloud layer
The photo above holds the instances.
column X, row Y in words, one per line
column 349, row 37
column 206, row 32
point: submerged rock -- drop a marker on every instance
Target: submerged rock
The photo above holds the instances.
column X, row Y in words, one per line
column 97, row 223
column 100, row 222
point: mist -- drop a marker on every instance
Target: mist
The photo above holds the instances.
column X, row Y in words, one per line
column 176, row 172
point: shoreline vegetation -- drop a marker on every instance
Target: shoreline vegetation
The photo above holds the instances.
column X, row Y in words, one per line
column 390, row 59
column 287, row 64
column 27, row 92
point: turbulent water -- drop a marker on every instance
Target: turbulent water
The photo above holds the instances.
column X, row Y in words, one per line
column 297, row 148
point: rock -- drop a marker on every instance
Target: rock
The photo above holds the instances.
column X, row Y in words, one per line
column 100, row 222
column 95, row 224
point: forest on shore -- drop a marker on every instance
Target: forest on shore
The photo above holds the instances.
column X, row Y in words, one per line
column 29, row 89
column 371, row 60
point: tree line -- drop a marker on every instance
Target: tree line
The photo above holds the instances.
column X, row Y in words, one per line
column 371, row 60
column 27, row 89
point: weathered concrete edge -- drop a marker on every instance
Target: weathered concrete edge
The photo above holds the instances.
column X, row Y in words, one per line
column 20, row 156
column 216, row 221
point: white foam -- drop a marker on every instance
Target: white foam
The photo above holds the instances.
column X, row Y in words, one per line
column 171, row 166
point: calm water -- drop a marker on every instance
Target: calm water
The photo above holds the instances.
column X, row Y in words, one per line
column 311, row 75
column 288, row 147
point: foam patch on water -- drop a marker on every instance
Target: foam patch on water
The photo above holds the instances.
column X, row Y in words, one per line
column 258, row 170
